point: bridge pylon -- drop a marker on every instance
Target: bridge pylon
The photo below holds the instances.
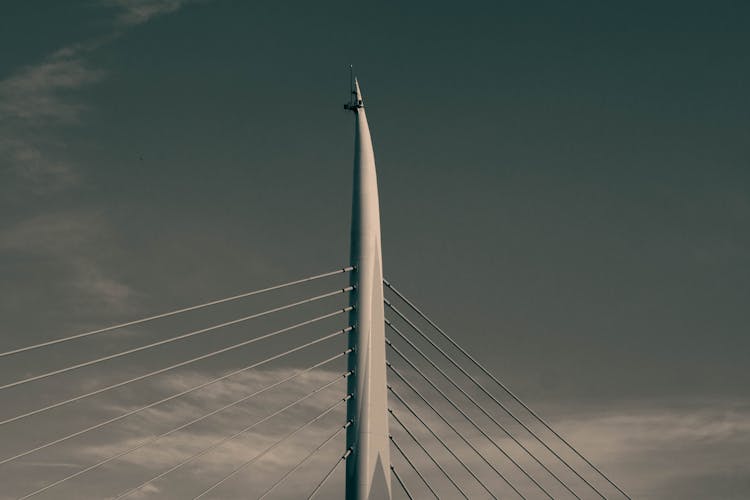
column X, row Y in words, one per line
column 368, row 466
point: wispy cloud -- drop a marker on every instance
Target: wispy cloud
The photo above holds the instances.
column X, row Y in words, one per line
column 32, row 101
column 31, row 165
column 36, row 92
column 671, row 453
column 141, row 11
column 71, row 242
column 39, row 97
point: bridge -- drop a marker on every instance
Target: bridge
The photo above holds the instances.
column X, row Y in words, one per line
column 405, row 411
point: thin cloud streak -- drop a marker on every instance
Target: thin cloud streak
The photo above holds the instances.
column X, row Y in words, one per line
column 70, row 244
column 141, row 11
column 34, row 101
column 36, row 93
column 659, row 451
column 39, row 97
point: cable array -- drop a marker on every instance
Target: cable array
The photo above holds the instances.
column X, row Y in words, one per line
column 422, row 397
column 413, row 467
column 458, row 433
column 201, row 418
column 541, row 461
column 236, row 403
column 328, row 474
column 304, row 460
column 216, row 444
column 175, row 312
column 481, row 387
column 429, row 455
column 172, row 339
column 150, row 405
column 467, row 417
column 263, row 453
column 174, row 366
column 499, row 466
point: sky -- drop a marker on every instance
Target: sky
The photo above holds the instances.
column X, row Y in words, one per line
column 565, row 188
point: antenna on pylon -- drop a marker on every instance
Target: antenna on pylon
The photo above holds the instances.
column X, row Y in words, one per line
column 355, row 99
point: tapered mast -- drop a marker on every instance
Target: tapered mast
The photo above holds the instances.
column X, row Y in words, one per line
column 368, row 467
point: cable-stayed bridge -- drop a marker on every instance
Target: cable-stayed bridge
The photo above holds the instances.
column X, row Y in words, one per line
column 392, row 407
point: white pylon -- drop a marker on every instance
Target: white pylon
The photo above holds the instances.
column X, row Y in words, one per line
column 368, row 467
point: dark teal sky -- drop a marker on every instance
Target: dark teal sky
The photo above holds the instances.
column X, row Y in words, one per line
column 564, row 185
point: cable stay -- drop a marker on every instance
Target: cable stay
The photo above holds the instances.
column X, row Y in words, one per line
column 175, row 312
column 470, row 398
column 173, row 339
column 137, row 410
column 304, row 460
column 401, row 482
column 177, row 365
column 498, row 402
column 429, row 455
column 466, row 416
column 205, row 416
column 453, row 428
column 272, row 447
column 414, row 468
column 440, row 440
column 220, row 442
column 502, row 386
column 323, row 481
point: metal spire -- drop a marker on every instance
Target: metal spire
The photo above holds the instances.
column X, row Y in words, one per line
column 367, row 469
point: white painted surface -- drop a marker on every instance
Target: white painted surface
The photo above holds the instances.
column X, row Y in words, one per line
column 368, row 468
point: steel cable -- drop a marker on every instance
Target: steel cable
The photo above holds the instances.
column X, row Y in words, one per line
column 171, row 339
column 453, row 428
column 503, row 386
column 120, row 417
column 429, row 455
column 153, row 439
column 174, row 312
column 483, row 389
column 414, row 468
column 440, row 440
column 228, row 438
column 274, row 445
column 468, row 396
column 304, row 460
column 170, row 367
column 401, row 482
column 322, row 482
